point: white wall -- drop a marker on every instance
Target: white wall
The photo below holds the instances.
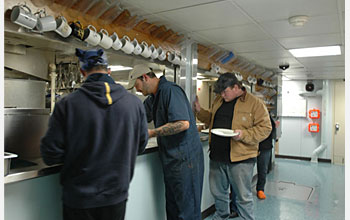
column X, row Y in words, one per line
column 296, row 140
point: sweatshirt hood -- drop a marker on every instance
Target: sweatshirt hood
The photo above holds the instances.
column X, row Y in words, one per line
column 103, row 90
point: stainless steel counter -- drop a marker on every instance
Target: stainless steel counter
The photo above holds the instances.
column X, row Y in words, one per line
column 29, row 172
column 41, row 169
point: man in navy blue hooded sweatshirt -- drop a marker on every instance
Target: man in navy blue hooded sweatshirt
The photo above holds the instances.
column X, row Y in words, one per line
column 96, row 132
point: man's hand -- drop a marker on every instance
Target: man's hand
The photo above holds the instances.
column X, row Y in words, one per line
column 277, row 124
column 196, row 105
column 151, row 133
column 239, row 136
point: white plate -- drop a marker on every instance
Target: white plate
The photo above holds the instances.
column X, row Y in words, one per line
column 224, row 132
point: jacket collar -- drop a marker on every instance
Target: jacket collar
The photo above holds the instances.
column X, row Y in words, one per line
column 243, row 97
column 162, row 81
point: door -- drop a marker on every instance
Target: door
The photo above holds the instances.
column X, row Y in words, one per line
column 339, row 123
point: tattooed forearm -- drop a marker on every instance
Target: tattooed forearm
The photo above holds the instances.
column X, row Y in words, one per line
column 171, row 128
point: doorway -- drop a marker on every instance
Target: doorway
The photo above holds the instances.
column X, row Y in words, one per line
column 339, row 123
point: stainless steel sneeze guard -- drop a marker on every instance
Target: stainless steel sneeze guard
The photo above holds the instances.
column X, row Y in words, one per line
column 21, row 93
column 7, row 162
column 39, row 169
column 24, row 128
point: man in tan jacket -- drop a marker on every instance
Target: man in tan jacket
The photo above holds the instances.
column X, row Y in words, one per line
column 232, row 159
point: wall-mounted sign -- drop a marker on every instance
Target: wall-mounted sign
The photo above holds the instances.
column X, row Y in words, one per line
column 314, row 127
column 314, row 113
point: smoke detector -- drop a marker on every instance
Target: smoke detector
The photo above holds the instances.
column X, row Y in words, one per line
column 298, row 21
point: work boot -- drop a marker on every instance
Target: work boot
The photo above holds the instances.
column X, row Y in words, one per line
column 261, row 194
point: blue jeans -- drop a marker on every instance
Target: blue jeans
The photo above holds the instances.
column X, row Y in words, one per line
column 233, row 205
column 263, row 165
column 239, row 175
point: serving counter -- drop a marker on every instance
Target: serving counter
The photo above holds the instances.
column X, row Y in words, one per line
column 33, row 168
column 32, row 198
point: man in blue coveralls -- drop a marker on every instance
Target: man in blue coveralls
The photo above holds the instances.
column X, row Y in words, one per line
column 180, row 148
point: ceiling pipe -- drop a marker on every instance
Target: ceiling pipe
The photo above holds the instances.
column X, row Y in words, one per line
column 326, row 120
column 53, row 76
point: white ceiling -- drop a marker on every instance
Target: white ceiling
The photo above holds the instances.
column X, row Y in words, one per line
column 257, row 30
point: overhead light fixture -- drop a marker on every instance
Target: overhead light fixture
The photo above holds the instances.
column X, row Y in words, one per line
column 316, row 51
column 119, row 68
column 284, row 78
column 184, row 77
column 158, row 75
column 298, row 21
column 138, row 93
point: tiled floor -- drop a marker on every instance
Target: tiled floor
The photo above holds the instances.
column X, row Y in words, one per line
column 327, row 200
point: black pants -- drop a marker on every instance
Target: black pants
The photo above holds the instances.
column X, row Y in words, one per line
column 264, row 159
column 112, row 212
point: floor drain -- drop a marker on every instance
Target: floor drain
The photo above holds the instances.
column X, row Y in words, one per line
column 288, row 190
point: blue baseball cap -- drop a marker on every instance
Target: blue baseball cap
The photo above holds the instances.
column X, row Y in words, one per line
column 91, row 58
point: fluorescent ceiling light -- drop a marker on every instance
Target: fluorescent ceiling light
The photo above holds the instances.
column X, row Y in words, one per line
column 122, row 83
column 284, row 78
column 159, row 74
column 316, row 51
column 184, row 77
column 119, row 68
